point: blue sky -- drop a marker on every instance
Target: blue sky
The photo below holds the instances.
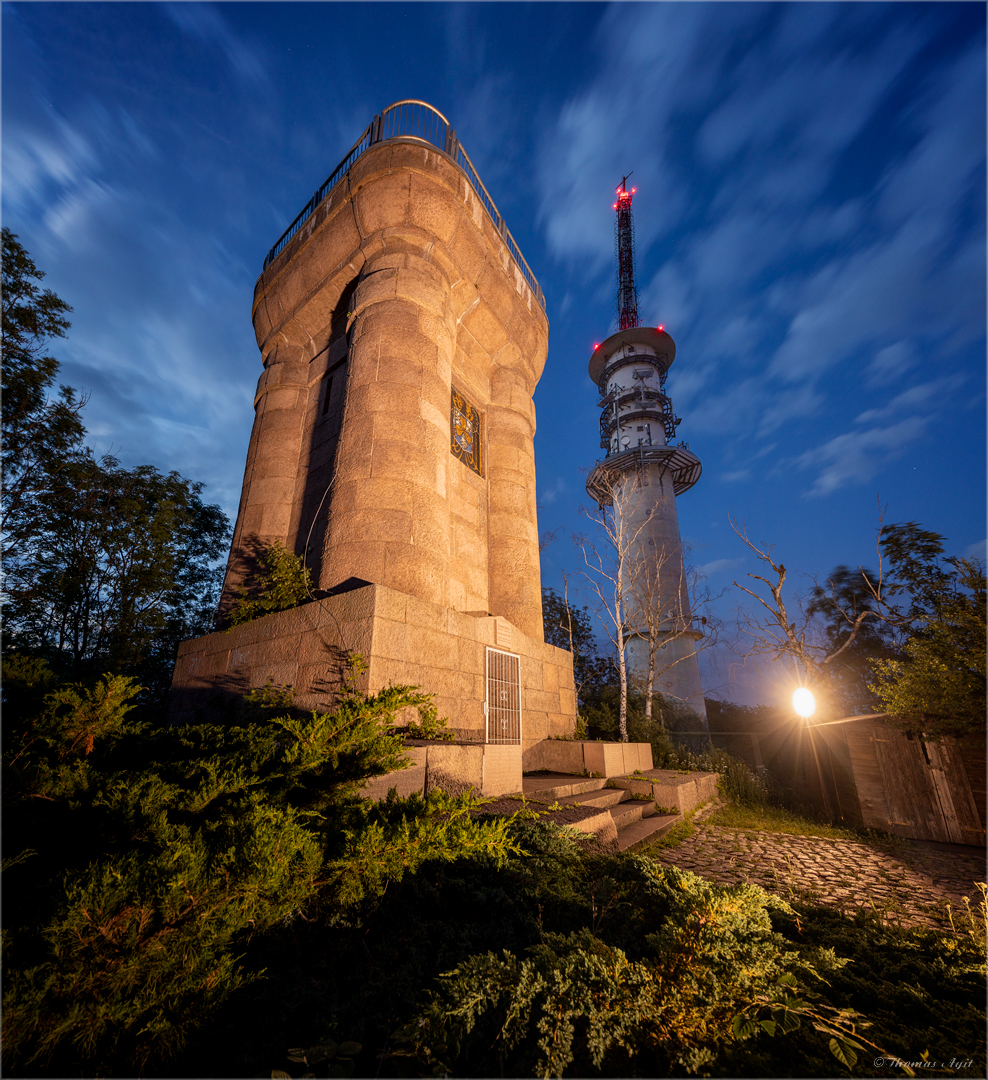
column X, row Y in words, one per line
column 810, row 222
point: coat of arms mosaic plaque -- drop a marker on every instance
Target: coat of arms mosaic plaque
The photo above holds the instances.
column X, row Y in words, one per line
column 464, row 431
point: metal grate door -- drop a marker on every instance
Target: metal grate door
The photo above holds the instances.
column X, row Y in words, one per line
column 503, row 705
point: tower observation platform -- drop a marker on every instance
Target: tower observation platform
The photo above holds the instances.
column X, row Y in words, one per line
column 639, row 478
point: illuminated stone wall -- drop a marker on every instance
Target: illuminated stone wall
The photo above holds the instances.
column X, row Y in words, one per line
column 396, row 291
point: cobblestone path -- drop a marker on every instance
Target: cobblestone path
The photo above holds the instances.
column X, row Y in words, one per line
column 909, row 885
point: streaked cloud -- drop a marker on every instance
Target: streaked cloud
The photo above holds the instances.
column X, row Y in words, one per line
column 856, row 457
column 205, row 23
column 719, row 566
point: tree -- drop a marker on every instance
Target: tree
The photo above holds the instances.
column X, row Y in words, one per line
column 119, row 558
column 571, row 628
column 666, row 601
column 620, row 524
column 918, row 624
column 937, row 687
column 41, row 436
column 796, row 633
column 835, row 607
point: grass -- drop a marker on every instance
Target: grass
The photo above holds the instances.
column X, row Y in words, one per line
column 776, row 820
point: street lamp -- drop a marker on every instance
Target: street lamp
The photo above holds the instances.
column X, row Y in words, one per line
column 803, row 702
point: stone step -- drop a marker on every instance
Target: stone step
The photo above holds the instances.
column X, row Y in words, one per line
column 645, row 831
column 552, row 787
column 682, row 791
column 604, row 797
column 628, row 812
column 609, row 810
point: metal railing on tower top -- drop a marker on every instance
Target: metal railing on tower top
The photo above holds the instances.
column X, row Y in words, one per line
column 412, row 120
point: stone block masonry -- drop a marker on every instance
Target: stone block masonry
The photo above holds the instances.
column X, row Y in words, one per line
column 403, row 640
column 395, row 298
column 393, row 449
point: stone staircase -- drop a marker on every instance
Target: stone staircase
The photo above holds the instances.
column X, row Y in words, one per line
column 622, row 812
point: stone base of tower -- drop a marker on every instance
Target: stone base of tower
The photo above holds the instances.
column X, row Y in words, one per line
column 403, row 641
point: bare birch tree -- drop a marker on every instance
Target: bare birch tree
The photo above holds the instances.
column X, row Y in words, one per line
column 667, row 603
column 608, row 560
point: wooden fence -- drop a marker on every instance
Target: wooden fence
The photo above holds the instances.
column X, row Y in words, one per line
column 866, row 772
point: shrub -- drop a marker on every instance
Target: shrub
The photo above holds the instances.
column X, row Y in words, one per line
column 152, row 860
column 283, row 582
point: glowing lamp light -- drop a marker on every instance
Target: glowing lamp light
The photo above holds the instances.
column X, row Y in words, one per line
column 596, row 346
column 803, row 702
column 662, row 328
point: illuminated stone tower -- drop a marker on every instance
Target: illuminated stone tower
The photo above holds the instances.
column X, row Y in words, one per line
column 644, row 471
column 402, row 336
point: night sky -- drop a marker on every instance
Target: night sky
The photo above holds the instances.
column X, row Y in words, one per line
column 810, row 225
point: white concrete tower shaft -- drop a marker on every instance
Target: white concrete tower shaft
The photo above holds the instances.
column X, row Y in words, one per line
column 639, row 479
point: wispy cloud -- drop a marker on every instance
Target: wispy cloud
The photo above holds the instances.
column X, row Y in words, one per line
column 205, row 23
column 719, row 566
column 553, row 491
column 856, row 457
column 891, row 363
column 924, row 397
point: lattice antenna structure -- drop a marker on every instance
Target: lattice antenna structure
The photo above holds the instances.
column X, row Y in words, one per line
column 624, row 244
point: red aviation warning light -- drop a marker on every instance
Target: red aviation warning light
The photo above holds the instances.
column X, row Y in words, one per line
column 624, row 244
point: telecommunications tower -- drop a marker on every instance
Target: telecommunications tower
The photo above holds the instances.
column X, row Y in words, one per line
column 640, row 477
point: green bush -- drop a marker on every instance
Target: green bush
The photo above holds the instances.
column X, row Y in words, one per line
column 147, row 862
column 282, row 582
column 575, row 1002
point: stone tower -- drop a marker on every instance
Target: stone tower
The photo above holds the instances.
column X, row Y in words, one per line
column 402, row 336
column 640, row 478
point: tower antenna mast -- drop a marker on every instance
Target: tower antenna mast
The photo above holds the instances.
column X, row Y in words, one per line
column 624, row 243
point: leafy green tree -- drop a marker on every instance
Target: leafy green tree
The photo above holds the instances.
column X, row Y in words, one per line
column 571, row 628
column 145, row 863
column 41, row 435
column 920, row 574
column 281, row 582
column 835, row 607
column 938, row 686
column 120, row 569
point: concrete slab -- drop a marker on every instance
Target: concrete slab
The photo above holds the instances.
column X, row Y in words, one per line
column 405, row 782
column 626, row 813
column 548, row 787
